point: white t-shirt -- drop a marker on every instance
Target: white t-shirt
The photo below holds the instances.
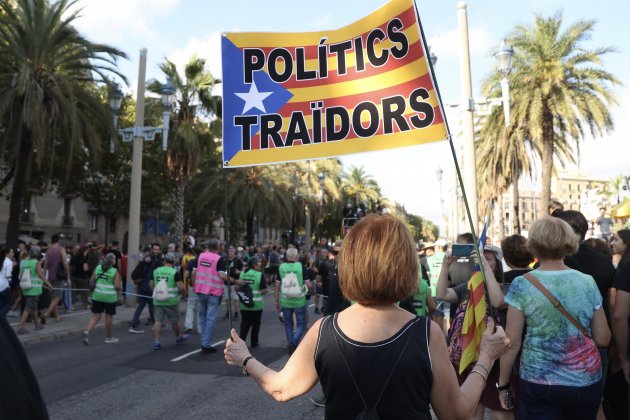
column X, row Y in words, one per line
column 5, row 274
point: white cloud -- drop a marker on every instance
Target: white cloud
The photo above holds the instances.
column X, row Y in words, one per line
column 446, row 44
column 113, row 21
column 208, row 47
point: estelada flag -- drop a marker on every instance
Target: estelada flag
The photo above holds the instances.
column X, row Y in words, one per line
column 474, row 324
column 292, row 96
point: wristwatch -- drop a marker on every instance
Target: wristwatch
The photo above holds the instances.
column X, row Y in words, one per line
column 244, row 365
column 504, row 387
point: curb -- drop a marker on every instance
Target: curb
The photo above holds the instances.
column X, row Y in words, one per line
column 27, row 340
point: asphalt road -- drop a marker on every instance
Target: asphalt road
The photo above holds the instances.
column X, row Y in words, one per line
column 130, row 380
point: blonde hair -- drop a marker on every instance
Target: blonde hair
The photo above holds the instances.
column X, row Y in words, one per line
column 378, row 263
column 551, row 238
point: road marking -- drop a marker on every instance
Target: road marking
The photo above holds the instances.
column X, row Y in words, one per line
column 182, row 357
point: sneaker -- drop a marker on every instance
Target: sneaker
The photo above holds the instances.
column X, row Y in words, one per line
column 281, row 317
column 111, row 340
column 182, row 338
column 208, row 350
column 13, row 314
column 316, row 310
column 188, row 331
column 157, row 345
column 319, row 402
column 86, row 338
column 135, row 331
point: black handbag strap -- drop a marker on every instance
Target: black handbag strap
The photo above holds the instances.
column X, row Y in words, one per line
column 391, row 372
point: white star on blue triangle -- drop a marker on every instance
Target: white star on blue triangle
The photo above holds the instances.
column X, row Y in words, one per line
column 253, row 98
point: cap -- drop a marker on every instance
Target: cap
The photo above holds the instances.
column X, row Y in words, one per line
column 497, row 251
column 441, row 242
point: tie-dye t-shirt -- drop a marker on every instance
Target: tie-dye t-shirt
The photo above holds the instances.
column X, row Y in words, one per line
column 555, row 352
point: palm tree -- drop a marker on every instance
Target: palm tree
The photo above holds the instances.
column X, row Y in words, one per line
column 558, row 88
column 360, row 186
column 193, row 97
column 47, row 98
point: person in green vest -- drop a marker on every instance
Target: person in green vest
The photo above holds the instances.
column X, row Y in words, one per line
column 423, row 302
column 251, row 315
column 169, row 308
column 105, row 284
column 290, row 295
column 31, row 295
column 435, row 258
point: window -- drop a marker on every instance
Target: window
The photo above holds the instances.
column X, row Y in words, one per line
column 93, row 223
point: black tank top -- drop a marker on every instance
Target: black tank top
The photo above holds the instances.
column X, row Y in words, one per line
column 409, row 391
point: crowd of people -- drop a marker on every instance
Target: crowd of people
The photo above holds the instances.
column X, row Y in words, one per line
column 561, row 303
column 556, row 343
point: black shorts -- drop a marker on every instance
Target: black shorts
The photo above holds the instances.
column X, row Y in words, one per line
column 99, row 307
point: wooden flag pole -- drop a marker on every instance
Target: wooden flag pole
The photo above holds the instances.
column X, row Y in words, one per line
column 226, row 228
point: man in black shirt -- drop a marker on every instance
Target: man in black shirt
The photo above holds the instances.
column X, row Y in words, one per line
column 586, row 260
column 115, row 249
column 323, row 265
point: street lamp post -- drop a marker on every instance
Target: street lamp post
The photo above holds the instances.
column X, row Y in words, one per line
column 467, row 108
column 439, row 173
column 504, row 58
column 138, row 134
column 321, row 177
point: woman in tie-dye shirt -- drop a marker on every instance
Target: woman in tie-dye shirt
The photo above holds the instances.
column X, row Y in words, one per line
column 560, row 369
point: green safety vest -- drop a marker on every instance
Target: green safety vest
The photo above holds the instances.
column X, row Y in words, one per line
column 435, row 266
column 253, row 279
column 420, row 297
column 167, row 273
column 36, row 290
column 104, row 290
column 296, row 268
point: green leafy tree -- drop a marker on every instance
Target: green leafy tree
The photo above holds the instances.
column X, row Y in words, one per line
column 558, row 89
column 194, row 100
column 48, row 71
column 359, row 186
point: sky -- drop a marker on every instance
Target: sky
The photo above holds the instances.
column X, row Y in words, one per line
column 176, row 29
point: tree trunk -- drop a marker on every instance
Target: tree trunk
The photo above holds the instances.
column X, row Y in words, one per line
column 178, row 218
column 516, row 199
column 516, row 226
column 250, row 228
column 547, row 161
column 501, row 216
column 19, row 185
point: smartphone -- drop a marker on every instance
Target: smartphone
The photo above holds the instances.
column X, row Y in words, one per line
column 462, row 250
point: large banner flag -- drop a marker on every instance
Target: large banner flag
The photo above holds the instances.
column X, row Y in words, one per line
column 294, row 96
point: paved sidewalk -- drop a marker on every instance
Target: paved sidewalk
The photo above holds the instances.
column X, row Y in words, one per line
column 72, row 324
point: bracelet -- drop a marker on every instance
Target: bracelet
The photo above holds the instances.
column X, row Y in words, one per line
column 483, row 367
column 480, row 374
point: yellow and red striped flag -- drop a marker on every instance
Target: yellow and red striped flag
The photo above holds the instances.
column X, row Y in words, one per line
column 364, row 87
column 474, row 323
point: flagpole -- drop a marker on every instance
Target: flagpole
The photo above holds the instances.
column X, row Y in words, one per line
column 226, row 227
column 457, row 169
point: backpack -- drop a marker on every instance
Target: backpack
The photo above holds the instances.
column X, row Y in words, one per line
column 290, row 287
column 25, row 279
column 246, row 295
column 160, row 292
